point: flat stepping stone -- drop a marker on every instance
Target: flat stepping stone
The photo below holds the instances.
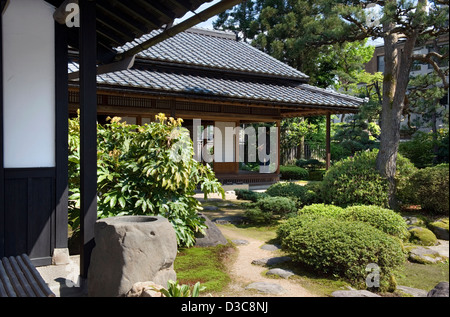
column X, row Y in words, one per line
column 210, row 208
column 271, row 261
column 426, row 255
column 415, row 292
column 267, row 288
column 271, row 247
column 280, row 272
column 229, row 220
column 240, row 242
column 354, row 293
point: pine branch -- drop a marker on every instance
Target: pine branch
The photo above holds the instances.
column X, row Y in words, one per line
column 428, row 58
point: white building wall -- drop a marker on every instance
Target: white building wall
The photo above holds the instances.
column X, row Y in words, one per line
column 29, row 84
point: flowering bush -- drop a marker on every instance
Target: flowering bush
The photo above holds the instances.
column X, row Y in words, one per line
column 145, row 170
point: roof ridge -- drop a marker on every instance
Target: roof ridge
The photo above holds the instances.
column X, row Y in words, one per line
column 213, row 33
column 332, row 92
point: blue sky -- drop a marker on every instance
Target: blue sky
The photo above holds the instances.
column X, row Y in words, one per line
column 207, row 24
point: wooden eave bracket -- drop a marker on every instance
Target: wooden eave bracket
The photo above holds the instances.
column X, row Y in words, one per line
column 124, row 64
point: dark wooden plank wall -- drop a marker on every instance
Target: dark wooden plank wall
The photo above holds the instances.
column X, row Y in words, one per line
column 30, row 218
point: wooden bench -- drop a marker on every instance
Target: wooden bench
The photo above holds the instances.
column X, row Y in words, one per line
column 20, row 278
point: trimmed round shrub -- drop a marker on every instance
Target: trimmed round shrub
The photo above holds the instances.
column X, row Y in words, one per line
column 356, row 181
column 429, row 188
column 293, row 224
column 245, row 194
column 383, row 219
column 345, row 248
column 302, row 195
column 256, row 215
column 277, row 205
column 322, row 209
column 293, row 173
column 311, row 164
column 286, row 190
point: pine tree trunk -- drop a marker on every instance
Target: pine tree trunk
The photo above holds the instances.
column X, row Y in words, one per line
column 390, row 117
column 398, row 61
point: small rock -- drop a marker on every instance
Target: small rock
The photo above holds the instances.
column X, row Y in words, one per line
column 415, row 292
column 440, row 290
column 145, row 289
column 440, row 228
column 267, row 288
column 271, row 247
column 422, row 236
column 414, row 221
column 280, row 272
column 212, row 237
column 354, row 293
column 271, row 261
column 240, row 242
column 228, row 205
column 425, row 255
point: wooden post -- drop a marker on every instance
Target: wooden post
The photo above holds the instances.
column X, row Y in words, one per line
column 328, row 141
column 279, row 146
column 62, row 131
column 88, row 131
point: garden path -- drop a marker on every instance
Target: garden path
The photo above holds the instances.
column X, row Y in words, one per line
column 243, row 272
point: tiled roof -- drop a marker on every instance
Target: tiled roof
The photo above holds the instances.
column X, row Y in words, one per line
column 213, row 64
column 300, row 94
column 215, row 49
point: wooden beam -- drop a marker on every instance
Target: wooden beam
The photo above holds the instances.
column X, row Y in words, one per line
column 183, row 26
column 88, row 131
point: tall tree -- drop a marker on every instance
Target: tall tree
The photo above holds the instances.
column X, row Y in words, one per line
column 401, row 24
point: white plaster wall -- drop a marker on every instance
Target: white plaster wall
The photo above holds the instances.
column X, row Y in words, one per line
column 29, row 84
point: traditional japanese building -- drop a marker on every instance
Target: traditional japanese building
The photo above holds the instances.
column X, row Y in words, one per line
column 209, row 75
column 131, row 63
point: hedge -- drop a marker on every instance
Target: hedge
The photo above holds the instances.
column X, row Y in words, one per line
column 344, row 248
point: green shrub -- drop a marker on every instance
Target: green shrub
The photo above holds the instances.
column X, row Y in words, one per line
column 245, row 194
column 293, row 173
column 383, row 219
column 316, row 175
column 322, row 209
column 286, row 190
column 311, row 164
column 313, row 193
column 421, row 148
column 277, row 205
column 144, row 170
column 295, row 223
column 302, row 195
column 344, row 248
column 356, row 181
column 256, row 215
column 429, row 188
